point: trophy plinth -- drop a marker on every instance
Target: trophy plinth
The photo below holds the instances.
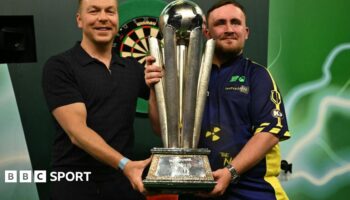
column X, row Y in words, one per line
column 177, row 170
column 180, row 167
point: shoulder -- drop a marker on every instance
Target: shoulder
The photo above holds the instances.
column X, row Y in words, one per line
column 258, row 71
column 59, row 65
column 255, row 66
column 61, row 58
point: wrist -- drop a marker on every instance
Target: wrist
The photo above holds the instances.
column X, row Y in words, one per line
column 234, row 175
column 122, row 163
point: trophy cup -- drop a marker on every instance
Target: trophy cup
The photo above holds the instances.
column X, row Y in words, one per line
column 180, row 166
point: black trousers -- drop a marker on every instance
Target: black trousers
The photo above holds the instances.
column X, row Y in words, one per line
column 115, row 188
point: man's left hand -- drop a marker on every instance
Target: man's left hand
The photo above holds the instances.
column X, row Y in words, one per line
column 133, row 171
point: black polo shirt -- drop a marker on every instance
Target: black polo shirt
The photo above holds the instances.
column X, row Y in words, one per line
column 110, row 97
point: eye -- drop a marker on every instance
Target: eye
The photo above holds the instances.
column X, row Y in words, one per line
column 219, row 23
column 236, row 22
column 111, row 11
column 93, row 11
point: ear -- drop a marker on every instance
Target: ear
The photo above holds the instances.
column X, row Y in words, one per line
column 247, row 33
column 207, row 33
column 79, row 22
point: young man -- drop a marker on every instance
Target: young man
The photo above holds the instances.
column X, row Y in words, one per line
column 244, row 116
column 92, row 94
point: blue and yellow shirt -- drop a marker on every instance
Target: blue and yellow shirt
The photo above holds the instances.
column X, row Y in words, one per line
column 243, row 99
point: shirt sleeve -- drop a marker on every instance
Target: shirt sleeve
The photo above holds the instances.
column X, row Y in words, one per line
column 267, row 109
column 59, row 84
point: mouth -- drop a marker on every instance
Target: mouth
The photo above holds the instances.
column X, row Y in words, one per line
column 103, row 28
column 228, row 38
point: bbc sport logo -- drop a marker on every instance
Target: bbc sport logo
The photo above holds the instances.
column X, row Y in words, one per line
column 41, row 176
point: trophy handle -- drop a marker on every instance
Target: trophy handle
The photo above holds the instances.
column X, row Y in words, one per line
column 202, row 88
column 156, row 53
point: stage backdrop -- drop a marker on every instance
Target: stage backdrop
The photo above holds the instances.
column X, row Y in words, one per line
column 309, row 55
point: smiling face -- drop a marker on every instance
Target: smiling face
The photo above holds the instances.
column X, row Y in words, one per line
column 98, row 20
column 227, row 25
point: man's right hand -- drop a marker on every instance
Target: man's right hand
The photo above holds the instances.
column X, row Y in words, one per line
column 153, row 73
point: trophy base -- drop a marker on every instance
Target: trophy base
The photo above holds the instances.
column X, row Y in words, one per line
column 177, row 170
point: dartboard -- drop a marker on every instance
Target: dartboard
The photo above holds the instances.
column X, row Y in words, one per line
column 132, row 39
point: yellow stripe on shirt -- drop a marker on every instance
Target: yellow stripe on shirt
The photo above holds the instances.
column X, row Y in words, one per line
column 279, row 120
column 273, row 166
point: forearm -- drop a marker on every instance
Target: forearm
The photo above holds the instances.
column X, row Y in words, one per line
column 92, row 143
column 72, row 118
column 254, row 151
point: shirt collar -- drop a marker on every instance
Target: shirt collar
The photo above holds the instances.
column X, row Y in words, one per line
column 231, row 61
column 84, row 58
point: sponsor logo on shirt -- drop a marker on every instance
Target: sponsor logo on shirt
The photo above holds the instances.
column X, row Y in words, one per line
column 214, row 134
column 275, row 97
column 276, row 113
column 236, row 78
column 241, row 88
column 226, row 158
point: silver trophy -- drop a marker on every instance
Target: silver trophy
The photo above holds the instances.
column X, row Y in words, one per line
column 180, row 166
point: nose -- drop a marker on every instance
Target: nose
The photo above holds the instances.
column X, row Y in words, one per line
column 102, row 16
column 229, row 28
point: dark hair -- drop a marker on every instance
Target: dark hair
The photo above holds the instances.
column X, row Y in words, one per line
column 221, row 3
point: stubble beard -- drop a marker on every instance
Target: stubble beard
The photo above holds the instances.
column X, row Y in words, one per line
column 226, row 53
